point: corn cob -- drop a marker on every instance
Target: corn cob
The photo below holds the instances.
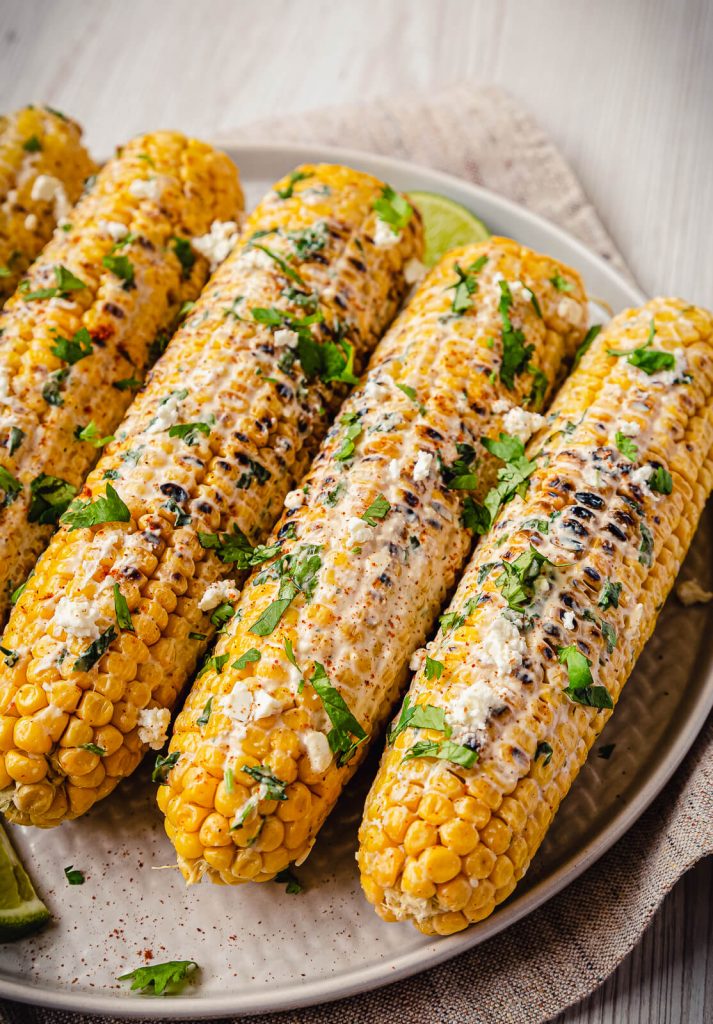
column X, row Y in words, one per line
column 117, row 613
column 374, row 536
column 105, row 291
column 546, row 624
column 43, row 166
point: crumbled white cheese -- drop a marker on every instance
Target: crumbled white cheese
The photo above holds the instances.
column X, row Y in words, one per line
column 146, row 188
column 423, row 466
column 394, row 469
column 414, row 271
column 375, row 388
column 218, row 243
column 679, row 370
column 470, row 710
column 629, row 428
column 501, row 405
column 216, row 593
column 402, row 905
column 166, row 414
column 285, row 337
column 316, row 746
column 153, row 726
column 264, row 705
column 294, row 499
column 30, row 222
column 502, row 647
column 256, row 259
column 418, row 659
column 358, row 532
column 642, row 475
column 591, row 476
column 48, row 189
column 521, row 423
column 236, row 704
column 518, row 290
column 78, row 618
column 114, row 229
column 568, row 620
column 691, row 592
column 571, row 311
column 385, row 236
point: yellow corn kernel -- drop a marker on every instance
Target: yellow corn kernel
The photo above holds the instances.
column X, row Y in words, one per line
column 415, row 882
column 439, row 864
column 454, row 895
column 419, row 835
column 459, row 836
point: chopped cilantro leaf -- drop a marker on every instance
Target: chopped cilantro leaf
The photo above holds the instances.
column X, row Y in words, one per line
column 247, row 658
column 378, row 509
column 49, row 497
column 433, row 669
column 71, row 350
column 609, row 595
column 393, row 209
column 73, row 875
column 447, row 750
column 108, row 508
column 163, row 766
column 95, row 651
column 10, row 485
column 586, row 344
column 295, row 176
column 160, row 977
column 121, row 266
column 123, row 615
column 344, row 725
column 626, row 446
column 661, row 480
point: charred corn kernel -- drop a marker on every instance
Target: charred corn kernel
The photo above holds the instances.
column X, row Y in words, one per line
column 534, row 659
column 43, row 166
column 80, row 329
column 374, row 536
column 249, row 395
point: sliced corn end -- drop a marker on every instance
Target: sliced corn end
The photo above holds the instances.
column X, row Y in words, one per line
column 43, row 167
column 133, row 586
column 546, row 624
column 84, row 322
column 357, row 569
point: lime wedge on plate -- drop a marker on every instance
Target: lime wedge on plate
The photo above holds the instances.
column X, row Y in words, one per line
column 21, row 909
column 446, row 224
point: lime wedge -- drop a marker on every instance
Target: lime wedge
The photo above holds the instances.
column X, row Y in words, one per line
column 446, row 224
column 21, row 909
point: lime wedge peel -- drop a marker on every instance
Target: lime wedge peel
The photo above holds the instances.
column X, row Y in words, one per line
column 447, row 225
column 21, row 909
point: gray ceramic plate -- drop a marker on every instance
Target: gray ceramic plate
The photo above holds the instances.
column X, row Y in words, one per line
column 260, row 949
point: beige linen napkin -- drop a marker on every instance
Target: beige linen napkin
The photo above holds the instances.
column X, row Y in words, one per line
column 562, row 952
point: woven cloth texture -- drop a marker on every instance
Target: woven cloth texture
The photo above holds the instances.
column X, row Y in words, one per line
column 563, row 951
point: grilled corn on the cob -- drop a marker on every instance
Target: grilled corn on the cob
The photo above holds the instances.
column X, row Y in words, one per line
column 546, row 624
column 360, row 564
column 78, row 332
column 43, row 166
column 131, row 588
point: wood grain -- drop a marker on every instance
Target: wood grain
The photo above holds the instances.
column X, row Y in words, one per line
column 624, row 88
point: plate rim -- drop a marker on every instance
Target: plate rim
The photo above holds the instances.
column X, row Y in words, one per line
column 193, row 1005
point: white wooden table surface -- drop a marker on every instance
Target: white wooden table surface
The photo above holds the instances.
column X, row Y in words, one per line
column 625, row 87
